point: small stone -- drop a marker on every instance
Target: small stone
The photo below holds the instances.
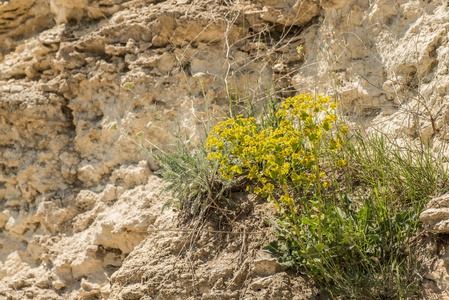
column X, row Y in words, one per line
column 15, row 88
column 58, row 285
column 132, row 292
column 4, row 217
column 43, row 282
column 436, row 217
column 267, row 266
column 261, row 283
column 48, row 87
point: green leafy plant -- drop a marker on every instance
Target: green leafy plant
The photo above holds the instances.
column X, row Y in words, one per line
column 347, row 207
column 372, row 223
column 365, row 252
column 193, row 180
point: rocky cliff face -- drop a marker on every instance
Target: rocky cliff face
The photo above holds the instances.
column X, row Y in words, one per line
column 77, row 198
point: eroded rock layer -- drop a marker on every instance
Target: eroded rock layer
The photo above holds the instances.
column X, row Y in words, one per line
column 77, row 198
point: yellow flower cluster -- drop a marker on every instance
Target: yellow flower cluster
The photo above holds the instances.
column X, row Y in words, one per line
column 278, row 155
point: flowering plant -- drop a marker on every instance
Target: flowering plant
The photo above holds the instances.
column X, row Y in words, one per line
column 277, row 157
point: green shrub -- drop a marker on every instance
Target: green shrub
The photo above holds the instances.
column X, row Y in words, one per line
column 355, row 237
column 365, row 251
column 193, row 180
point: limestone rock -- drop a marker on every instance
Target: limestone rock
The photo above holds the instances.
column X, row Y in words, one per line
column 267, row 266
column 78, row 200
column 436, row 215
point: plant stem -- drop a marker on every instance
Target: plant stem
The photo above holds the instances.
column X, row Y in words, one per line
column 318, row 193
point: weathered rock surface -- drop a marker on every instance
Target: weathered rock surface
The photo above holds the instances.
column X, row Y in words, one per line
column 209, row 263
column 436, row 216
column 77, row 199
